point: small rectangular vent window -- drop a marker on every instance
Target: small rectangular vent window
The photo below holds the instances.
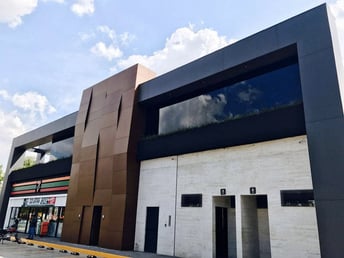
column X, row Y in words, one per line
column 297, row 198
column 191, row 200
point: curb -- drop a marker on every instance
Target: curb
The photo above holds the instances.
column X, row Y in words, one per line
column 72, row 250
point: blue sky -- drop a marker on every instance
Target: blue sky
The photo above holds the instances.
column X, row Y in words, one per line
column 50, row 50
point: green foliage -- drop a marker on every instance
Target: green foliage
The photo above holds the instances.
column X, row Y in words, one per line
column 29, row 162
column 1, row 176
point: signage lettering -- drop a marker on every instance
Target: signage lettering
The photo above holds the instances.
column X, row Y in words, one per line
column 40, row 201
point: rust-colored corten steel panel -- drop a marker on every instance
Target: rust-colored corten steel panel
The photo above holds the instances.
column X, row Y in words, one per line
column 105, row 171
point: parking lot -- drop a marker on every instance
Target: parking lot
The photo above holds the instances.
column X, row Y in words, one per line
column 52, row 247
column 11, row 249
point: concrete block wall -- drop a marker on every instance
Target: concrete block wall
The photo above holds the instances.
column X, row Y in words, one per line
column 269, row 166
column 158, row 189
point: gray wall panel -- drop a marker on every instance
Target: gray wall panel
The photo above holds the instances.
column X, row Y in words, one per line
column 326, row 150
column 310, row 30
column 46, row 130
column 331, row 214
column 320, row 88
column 251, row 47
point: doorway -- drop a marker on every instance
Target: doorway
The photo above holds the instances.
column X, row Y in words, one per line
column 51, row 216
column 152, row 224
column 255, row 226
column 95, row 228
column 221, row 215
column 225, row 227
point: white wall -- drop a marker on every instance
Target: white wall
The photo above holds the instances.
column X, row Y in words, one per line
column 269, row 166
column 157, row 189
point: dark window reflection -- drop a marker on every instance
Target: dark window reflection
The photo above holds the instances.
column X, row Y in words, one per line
column 62, row 149
column 277, row 89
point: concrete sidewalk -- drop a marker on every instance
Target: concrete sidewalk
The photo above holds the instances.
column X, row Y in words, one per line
column 49, row 244
column 10, row 249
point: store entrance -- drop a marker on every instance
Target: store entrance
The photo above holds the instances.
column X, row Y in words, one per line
column 49, row 219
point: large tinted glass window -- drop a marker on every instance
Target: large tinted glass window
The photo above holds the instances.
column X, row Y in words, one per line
column 276, row 89
column 58, row 150
column 45, row 153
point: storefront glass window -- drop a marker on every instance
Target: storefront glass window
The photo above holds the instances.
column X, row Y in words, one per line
column 49, row 219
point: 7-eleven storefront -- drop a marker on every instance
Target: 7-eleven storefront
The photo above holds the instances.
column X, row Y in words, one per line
column 34, row 198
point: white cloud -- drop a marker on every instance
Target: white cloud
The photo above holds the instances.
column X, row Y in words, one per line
column 86, row 36
column 4, row 94
column 11, row 11
column 184, row 46
column 56, row 1
column 30, row 103
column 110, row 46
column 10, row 126
column 337, row 9
column 198, row 111
column 250, row 94
column 34, row 103
column 109, row 32
column 82, row 7
column 18, row 114
column 126, row 38
column 109, row 52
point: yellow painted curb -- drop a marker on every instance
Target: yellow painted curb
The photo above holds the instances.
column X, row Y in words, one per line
column 72, row 249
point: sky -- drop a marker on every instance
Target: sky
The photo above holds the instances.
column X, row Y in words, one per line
column 51, row 50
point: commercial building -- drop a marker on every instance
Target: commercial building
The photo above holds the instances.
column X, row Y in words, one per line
column 37, row 177
column 236, row 154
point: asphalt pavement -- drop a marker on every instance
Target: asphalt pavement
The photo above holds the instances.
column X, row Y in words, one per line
column 52, row 247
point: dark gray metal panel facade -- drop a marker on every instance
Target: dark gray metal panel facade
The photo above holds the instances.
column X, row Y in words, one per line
column 321, row 73
column 282, row 123
column 46, row 130
column 309, row 31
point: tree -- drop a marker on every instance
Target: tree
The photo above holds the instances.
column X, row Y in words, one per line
column 1, row 176
column 29, row 162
